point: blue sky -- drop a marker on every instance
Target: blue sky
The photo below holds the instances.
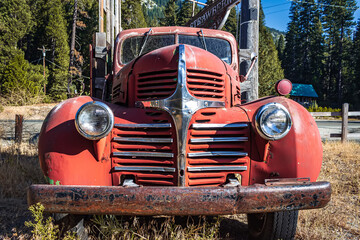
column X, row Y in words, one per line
column 277, row 13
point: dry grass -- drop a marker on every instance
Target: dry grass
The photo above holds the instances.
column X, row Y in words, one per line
column 340, row 219
column 19, row 168
column 38, row 111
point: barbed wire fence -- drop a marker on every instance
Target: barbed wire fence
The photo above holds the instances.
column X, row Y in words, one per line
column 30, row 131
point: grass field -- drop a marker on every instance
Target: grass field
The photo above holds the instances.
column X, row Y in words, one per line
column 340, row 219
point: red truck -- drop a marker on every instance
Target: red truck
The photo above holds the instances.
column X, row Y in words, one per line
column 174, row 138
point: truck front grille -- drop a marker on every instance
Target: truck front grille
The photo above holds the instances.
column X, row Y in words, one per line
column 206, row 85
column 155, row 85
column 215, row 151
column 146, row 152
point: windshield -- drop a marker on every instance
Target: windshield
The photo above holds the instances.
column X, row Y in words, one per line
column 219, row 47
column 131, row 46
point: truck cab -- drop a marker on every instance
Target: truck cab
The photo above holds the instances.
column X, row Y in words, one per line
column 171, row 136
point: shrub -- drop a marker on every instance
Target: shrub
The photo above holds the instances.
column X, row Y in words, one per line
column 21, row 82
column 45, row 229
column 41, row 229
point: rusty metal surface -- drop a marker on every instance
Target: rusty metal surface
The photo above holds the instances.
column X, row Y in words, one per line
column 179, row 200
column 286, row 181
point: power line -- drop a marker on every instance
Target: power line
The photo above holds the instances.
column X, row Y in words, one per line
column 277, row 11
column 63, row 68
column 276, row 5
column 324, row 5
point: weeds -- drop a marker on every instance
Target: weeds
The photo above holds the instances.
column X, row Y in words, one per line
column 41, row 229
column 45, row 229
column 113, row 227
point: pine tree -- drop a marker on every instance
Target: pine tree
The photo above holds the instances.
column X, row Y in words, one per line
column 270, row 70
column 132, row 15
column 231, row 23
column 185, row 12
column 57, row 40
column 280, row 47
column 170, row 14
column 338, row 23
column 290, row 60
column 304, row 51
column 354, row 96
column 317, row 56
column 15, row 22
column 22, row 82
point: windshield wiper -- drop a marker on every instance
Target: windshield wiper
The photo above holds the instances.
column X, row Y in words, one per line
column 144, row 44
column 203, row 38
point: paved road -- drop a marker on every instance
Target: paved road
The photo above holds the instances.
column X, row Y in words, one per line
column 326, row 127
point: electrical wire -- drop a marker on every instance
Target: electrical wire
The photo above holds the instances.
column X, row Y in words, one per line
column 277, row 11
column 36, row 60
column 324, row 5
column 63, row 68
column 276, row 5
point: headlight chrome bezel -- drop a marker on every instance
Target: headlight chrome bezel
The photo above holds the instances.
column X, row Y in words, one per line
column 109, row 127
column 258, row 124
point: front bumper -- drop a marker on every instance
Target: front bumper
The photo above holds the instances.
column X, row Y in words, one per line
column 179, row 200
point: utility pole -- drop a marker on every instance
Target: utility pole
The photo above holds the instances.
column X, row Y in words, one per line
column 72, row 48
column 101, row 16
column 44, row 55
column 249, row 43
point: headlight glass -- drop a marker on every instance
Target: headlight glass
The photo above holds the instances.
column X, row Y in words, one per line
column 94, row 120
column 273, row 121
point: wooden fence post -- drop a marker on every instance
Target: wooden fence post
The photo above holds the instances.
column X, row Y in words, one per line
column 18, row 128
column 344, row 125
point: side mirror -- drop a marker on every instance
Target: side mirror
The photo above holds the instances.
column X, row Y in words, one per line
column 253, row 58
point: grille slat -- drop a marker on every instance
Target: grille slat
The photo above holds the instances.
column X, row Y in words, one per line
column 145, row 169
column 217, row 168
column 143, row 140
column 149, row 125
column 218, row 154
column 137, row 161
column 218, row 139
column 143, row 154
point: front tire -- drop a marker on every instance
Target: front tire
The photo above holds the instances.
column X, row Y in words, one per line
column 274, row 225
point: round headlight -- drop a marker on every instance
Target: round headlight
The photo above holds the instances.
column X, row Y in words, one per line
column 94, row 120
column 273, row 121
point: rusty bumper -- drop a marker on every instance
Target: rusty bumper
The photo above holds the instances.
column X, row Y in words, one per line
column 179, row 200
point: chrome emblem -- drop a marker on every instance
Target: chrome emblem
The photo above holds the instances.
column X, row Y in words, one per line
column 181, row 105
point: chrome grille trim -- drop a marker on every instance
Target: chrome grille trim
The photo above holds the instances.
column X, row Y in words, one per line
column 218, row 154
column 143, row 140
column 143, row 154
column 218, row 125
column 145, row 169
column 220, row 168
column 144, row 125
column 218, row 139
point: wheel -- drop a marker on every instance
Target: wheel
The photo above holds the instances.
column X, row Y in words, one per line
column 275, row 225
column 71, row 222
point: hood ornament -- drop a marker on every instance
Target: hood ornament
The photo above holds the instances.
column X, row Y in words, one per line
column 181, row 105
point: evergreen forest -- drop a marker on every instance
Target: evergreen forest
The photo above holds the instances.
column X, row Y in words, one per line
column 320, row 47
